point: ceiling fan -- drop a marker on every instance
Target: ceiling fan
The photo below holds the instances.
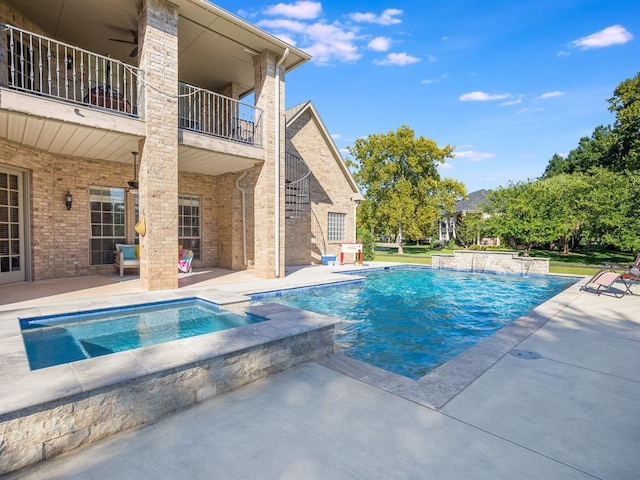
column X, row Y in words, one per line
column 134, row 52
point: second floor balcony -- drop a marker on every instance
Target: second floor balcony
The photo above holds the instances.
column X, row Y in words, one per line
column 210, row 113
column 41, row 66
column 47, row 69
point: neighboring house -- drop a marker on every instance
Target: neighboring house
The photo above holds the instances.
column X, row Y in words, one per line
column 86, row 84
column 321, row 194
column 449, row 223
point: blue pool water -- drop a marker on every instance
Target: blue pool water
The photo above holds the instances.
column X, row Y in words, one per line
column 58, row 339
column 411, row 320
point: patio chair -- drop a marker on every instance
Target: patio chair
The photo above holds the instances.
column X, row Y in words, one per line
column 184, row 260
column 605, row 280
column 616, row 267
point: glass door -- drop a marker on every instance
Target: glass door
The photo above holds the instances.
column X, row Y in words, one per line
column 12, row 257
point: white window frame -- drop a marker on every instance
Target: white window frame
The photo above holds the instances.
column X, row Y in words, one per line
column 190, row 235
column 336, row 227
column 113, row 220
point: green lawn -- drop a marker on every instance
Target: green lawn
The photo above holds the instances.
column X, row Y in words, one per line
column 584, row 261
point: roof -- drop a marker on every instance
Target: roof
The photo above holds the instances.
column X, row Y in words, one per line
column 293, row 113
column 472, row 203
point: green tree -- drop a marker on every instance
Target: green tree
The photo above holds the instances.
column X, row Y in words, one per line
column 615, row 147
column 514, row 214
column 560, row 200
column 594, row 151
column 625, row 103
column 398, row 174
column 557, row 165
column 611, row 208
column 470, row 229
column 365, row 237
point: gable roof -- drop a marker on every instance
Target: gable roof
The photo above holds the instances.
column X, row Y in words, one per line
column 472, row 203
column 293, row 113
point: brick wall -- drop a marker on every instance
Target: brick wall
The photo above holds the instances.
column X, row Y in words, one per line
column 158, row 27
column 264, row 205
column 330, row 191
column 60, row 238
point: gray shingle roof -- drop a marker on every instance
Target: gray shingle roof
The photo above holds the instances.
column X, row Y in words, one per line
column 472, row 204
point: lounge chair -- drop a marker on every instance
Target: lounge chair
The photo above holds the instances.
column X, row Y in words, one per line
column 605, row 280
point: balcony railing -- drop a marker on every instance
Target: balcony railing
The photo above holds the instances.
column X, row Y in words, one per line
column 45, row 67
column 210, row 113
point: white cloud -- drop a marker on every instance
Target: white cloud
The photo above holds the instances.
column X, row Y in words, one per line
column 388, row 17
column 529, row 110
column 336, row 136
column 429, row 81
column 517, row 101
column 325, row 42
column 400, row 59
column 544, row 96
column 614, row 35
column 482, row 96
column 302, row 9
column 284, row 24
column 445, row 166
column 473, row 156
column 380, row 44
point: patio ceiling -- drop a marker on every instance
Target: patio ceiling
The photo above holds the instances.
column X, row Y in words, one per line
column 215, row 47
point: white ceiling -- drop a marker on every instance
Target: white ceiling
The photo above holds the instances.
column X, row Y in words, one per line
column 214, row 45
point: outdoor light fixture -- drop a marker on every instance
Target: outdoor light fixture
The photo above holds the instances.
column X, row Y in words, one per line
column 68, row 200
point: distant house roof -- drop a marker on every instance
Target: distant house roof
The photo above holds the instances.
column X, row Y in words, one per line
column 471, row 204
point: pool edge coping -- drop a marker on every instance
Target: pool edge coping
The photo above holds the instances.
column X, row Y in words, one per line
column 35, row 389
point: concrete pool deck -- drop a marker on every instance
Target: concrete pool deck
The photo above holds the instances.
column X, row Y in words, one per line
column 572, row 412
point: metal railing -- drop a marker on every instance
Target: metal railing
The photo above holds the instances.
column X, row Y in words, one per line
column 210, row 113
column 45, row 67
column 297, row 185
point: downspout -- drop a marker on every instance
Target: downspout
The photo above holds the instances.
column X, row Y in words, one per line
column 277, row 164
column 244, row 218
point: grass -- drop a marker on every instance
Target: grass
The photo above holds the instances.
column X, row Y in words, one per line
column 582, row 261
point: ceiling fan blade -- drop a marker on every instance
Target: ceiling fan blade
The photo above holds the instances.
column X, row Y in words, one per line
column 134, row 52
column 123, row 41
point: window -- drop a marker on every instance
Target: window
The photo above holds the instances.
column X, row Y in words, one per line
column 189, row 223
column 335, row 227
column 107, row 223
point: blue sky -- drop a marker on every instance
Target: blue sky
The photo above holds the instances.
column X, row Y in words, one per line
column 507, row 82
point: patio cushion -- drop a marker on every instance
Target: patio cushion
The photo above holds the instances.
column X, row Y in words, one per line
column 128, row 252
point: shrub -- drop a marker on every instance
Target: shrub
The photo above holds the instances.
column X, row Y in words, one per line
column 368, row 243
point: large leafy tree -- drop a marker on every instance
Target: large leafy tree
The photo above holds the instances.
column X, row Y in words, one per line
column 615, row 147
column 560, row 200
column 403, row 190
column 514, row 214
column 611, row 208
column 625, row 103
column 594, row 151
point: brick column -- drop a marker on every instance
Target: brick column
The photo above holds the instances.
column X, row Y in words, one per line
column 265, row 197
column 158, row 35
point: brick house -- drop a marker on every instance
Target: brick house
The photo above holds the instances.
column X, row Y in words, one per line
column 471, row 205
column 115, row 111
column 330, row 219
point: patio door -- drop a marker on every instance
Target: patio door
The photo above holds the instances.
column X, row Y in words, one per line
column 12, row 252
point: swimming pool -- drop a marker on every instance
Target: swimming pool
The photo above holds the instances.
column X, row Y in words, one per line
column 57, row 339
column 410, row 320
